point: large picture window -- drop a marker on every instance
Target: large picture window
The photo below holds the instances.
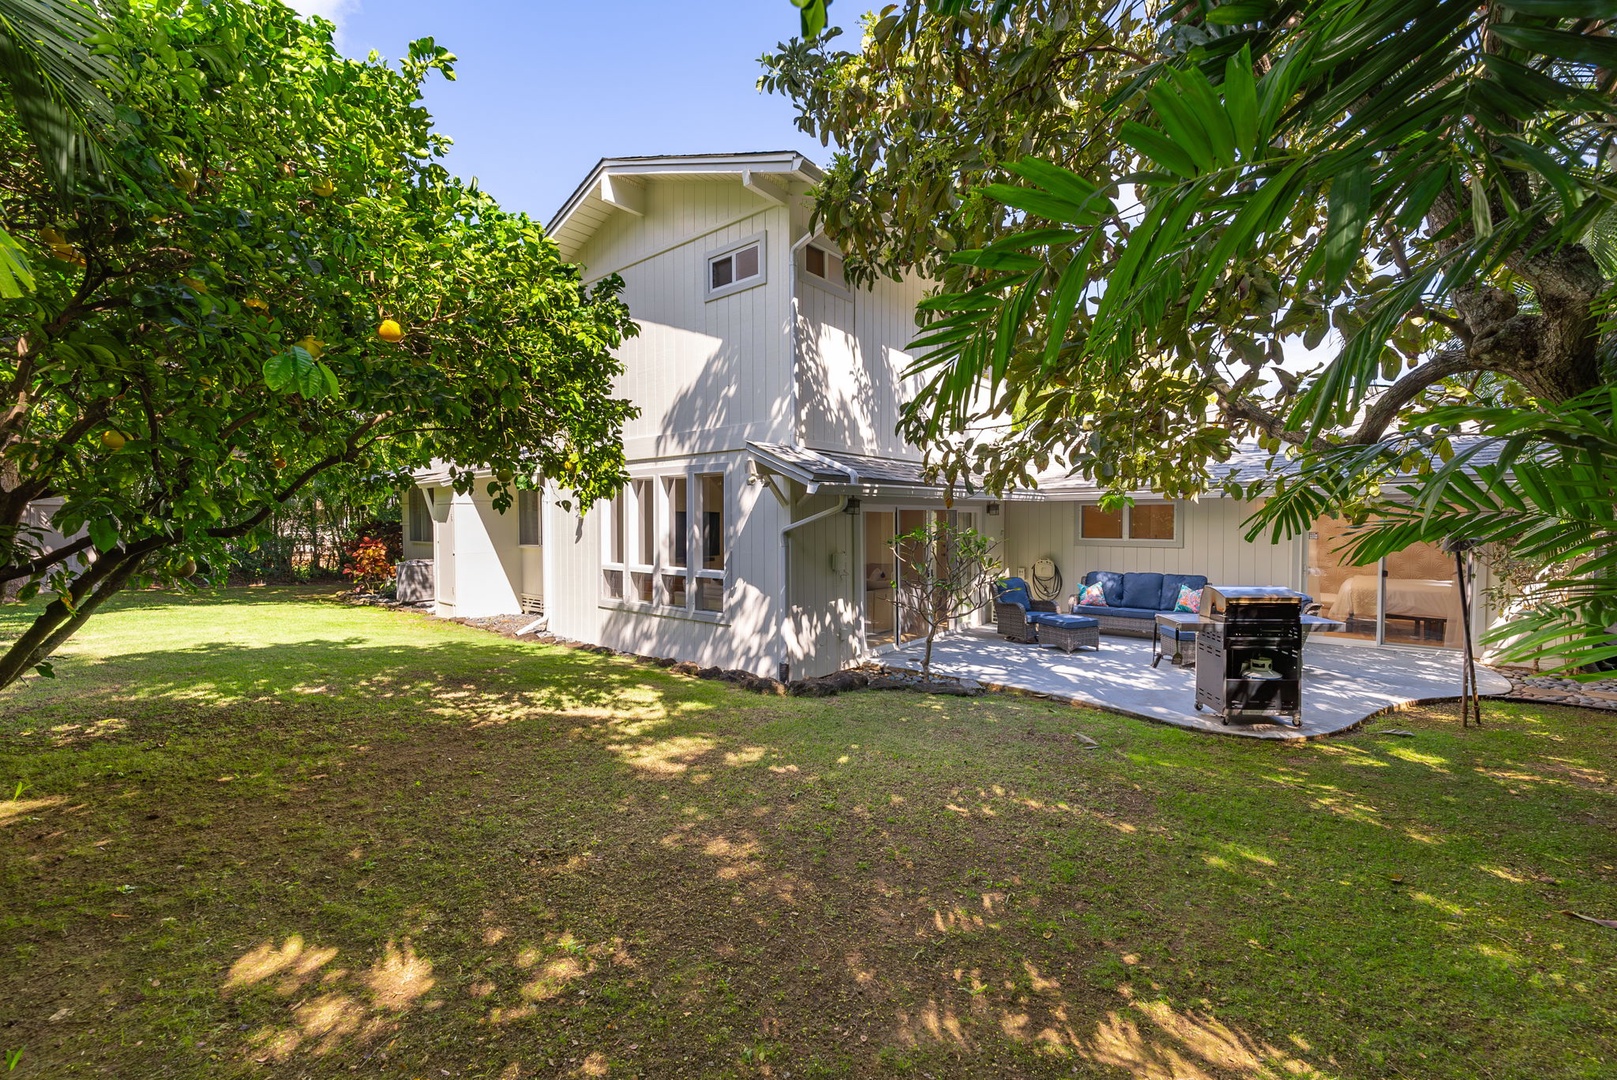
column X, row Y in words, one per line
column 665, row 543
column 612, row 568
column 1152, row 523
column 710, row 514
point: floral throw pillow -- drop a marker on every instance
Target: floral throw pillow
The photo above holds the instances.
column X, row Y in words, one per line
column 1189, row 600
column 1092, row 596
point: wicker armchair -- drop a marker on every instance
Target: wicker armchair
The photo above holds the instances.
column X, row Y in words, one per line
column 1011, row 605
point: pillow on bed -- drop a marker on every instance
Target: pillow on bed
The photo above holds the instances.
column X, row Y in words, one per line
column 1092, row 596
column 1189, row 600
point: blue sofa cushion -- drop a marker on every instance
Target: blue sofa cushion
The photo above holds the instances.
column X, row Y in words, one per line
column 1066, row 622
column 1013, row 591
column 1143, row 591
column 1128, row 613
column 1170, row 588
column 1110, row 583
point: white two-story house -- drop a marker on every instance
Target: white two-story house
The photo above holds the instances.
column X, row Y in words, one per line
column 766, row 475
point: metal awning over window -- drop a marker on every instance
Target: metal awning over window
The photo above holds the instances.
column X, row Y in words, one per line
column 836, row 473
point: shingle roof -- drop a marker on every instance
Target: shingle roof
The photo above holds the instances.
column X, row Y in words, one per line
column 1250, row 463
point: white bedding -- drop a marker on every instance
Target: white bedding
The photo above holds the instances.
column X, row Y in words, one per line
column 1425, row 598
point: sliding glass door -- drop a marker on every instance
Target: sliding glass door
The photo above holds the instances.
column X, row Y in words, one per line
column 888, row 620
column 1408, row 598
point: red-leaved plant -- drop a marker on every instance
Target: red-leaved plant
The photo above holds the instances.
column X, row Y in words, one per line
column 368, row 562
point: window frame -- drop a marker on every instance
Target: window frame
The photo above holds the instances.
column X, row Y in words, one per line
column 1127, row 539
column 661, row 565
column 712, row 292
column 421, row 493
column 837, row 286
column 612, row 527
column 695, row 568
column 538, row 499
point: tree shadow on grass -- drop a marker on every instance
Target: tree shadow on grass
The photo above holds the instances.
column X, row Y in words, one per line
column 470, row 682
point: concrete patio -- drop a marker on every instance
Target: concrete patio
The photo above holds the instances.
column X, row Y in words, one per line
column 1343, row 684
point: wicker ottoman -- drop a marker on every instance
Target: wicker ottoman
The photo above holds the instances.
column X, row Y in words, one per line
column 1067, row 632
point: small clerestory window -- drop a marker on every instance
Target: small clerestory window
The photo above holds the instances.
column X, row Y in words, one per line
column 736, row 269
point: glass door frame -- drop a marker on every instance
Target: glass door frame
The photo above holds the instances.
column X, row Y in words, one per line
column 1382, row 572
column 895, row 509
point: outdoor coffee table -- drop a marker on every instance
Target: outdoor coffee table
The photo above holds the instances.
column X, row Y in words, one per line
column 1181, row 626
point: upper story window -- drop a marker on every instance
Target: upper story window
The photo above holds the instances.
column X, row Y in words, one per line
column 420, row 517
column 820, row 263
column 1143, row 522
column 530, row 530
column 736, row 268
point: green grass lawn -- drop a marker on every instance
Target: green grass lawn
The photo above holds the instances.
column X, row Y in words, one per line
column 269, row 834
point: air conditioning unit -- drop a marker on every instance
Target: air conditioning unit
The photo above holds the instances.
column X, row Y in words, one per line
column 414, row 582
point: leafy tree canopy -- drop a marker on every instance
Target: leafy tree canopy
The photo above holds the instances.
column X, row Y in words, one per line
column 938, row 98
column 1426, row 186
column 278, row 281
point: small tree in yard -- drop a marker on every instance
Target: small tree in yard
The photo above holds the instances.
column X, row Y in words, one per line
column 948, row 572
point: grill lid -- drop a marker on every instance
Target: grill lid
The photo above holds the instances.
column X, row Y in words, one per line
column 1262, row 601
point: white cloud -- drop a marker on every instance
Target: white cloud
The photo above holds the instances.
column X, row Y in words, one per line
column 335, row 10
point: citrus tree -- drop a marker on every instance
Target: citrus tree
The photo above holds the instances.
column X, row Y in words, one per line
column 277, row 281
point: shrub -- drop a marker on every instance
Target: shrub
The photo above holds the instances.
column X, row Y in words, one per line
column 367, row 561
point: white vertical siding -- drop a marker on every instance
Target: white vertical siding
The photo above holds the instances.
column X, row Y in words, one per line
column 1211, row 529
column 824, row 590
column 708, row 375
column 852, row 358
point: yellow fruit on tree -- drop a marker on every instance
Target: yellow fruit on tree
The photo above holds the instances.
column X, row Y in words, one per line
column 113, row 440
column 313, row 346
column 390, row 331
column 52, row 237
column 324, row 188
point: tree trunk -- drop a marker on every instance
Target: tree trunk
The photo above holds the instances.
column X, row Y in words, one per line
column 60, row 619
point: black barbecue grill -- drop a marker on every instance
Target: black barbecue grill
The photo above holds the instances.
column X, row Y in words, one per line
column 1249, row 652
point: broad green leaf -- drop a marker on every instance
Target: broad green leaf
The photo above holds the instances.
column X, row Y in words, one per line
column 1349, row 212
column 1157, row 149
column 16, row 276
column 103, row 533
column 1579, row 48
column 1241, row 100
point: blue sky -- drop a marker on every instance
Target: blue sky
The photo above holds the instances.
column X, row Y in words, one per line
column 547, row 88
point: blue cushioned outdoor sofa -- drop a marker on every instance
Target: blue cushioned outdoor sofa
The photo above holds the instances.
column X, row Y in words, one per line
column 1134, row 600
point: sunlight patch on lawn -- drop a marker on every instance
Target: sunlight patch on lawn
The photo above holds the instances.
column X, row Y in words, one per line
column 14, row 809
column 392, row 986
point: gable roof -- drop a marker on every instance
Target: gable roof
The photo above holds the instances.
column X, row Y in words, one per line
column 596, row 199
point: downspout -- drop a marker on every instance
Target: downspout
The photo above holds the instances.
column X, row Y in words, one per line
column 791, row 328
column 786, row 531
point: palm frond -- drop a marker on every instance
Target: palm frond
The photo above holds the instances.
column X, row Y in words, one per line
column 57, row 82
